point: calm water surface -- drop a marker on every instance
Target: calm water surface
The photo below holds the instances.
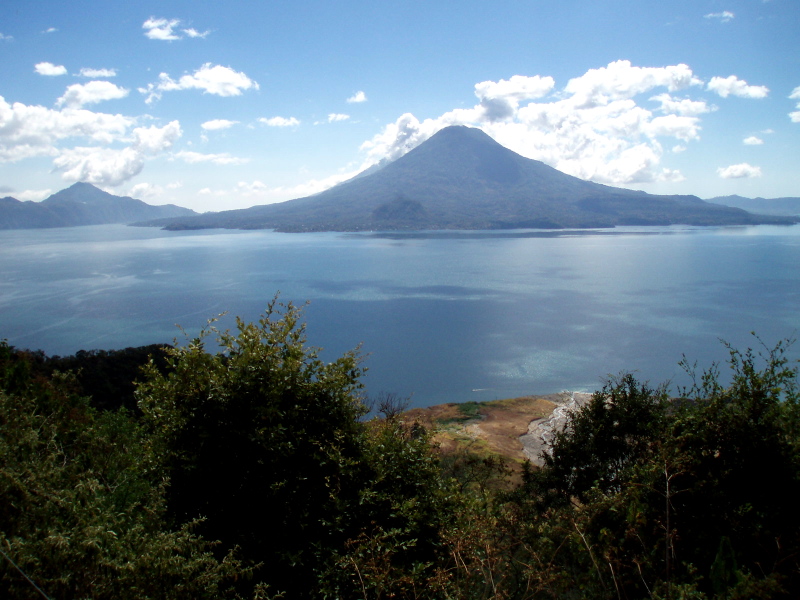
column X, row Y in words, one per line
column 440, row 316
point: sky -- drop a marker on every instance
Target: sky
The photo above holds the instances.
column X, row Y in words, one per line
column 223, row 105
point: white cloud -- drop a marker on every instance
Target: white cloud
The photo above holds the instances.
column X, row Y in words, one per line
column 357, row 97
column 77, row 95
column 164, row 29
column 154, row 140
column 31, row 131
column 217, row 159
column 28, row 131
column 144, row 191
column 100, row 166
column 732, row 85
column 725, row 16
column 193, row 33
column 752, row 141
column 217, row 124
column 107, row 166
column 212, row 79
column 161, row 29
column 795, row 95
column 149, row 191
column 620, row 80
column 739, row 171
column 88, row 72
column 500, row 99
column 34, row 195
column 594, row 128
column 685, row 106
column 333, row 117
column 50, row 30
column 49, row 69
column 279, row 121
column 677, row 126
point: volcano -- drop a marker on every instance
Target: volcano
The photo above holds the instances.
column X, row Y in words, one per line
column 461, row 178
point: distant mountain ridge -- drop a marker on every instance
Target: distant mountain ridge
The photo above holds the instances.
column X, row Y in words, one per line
column 82, row 204
column 765, row 206
column 461, row 178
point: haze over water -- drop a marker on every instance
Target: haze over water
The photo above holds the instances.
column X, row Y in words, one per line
column 441, row 316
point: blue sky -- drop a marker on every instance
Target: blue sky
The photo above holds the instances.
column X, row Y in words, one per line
column 215, row 105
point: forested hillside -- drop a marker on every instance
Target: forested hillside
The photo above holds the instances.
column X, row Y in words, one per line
column 259, row 472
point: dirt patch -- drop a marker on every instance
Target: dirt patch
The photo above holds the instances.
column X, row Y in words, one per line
column 496, row 427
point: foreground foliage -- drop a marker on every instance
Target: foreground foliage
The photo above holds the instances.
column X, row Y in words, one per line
column 80, row 512
column 645, row 497
column 251, row 471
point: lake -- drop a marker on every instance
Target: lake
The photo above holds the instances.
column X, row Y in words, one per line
column 440, row 316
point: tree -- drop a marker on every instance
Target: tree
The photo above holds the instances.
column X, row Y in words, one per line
column 80, row 514
column 262, row 440
column 603, row 440
column 689, row 497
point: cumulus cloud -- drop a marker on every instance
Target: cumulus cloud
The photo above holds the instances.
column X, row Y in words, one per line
column 752, row 141
column 724, row 17
column 49, row 69
column 742, row 170
column 33, row 195
column 217, row 159
column 212, row 79
column 500, row 99
column 87, row 72
column 684, row 106
column 279, row 121
column 100, row 166
column 333, row 117
column 357, row 97
column 795, row 95
column 150, row 191
column 732, row 85
column 165, row 29
column 28, row 131
column 6, row 38
column 78, row 95
column 620, row 81
column 35, row 131
column 161, row 29
column 145, row 191
column 595, row 128
column 111, row 166
column 217, row 124
column 193, row 33
column 50, row 30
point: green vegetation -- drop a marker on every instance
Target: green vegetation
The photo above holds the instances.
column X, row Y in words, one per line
column 251, row 472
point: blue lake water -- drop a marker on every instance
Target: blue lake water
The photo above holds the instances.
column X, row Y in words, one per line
column 440, row 316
